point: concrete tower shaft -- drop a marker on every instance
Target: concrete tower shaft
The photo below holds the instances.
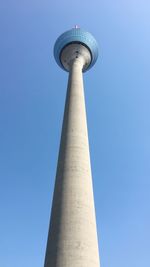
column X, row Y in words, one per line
column 72, row 238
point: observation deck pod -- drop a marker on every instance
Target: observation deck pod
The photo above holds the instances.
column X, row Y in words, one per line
column 79, row 37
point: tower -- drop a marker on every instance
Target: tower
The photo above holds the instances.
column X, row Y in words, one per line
column 72, row 238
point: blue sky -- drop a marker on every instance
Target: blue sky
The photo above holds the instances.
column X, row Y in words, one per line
column 32, row 95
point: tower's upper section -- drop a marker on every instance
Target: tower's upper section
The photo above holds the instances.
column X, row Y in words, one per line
column 71, row 44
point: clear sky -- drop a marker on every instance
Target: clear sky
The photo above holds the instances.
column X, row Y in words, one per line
column 32, row 95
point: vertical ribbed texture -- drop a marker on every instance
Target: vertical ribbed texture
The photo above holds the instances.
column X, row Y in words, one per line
column 72, row 239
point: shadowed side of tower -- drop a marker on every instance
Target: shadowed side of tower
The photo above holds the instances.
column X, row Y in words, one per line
column 72, row 238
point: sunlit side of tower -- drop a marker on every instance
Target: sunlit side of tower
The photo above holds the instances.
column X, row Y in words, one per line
column 72, row 238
